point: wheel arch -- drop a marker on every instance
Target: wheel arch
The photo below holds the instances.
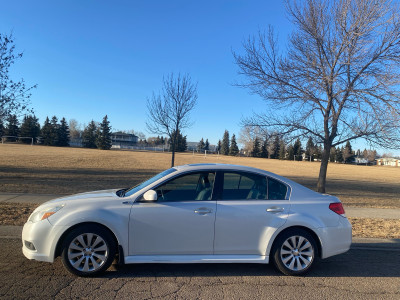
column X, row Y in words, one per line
column 310, row 231
column 60, row 241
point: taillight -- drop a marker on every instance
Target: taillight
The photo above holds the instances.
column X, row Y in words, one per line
column 337, row 207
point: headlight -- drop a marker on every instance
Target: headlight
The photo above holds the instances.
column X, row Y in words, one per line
column 44, row 214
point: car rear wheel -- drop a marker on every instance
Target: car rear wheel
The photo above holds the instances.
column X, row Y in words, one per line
column 294, row 252
column 88, row 250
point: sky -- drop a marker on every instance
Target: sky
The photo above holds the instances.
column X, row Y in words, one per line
column 96, row 58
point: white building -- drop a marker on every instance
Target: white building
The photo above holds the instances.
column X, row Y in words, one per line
column 123, row 139
column 388, row 161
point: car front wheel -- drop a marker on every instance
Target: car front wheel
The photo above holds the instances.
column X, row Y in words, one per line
column 294, row 252
column 88, row 250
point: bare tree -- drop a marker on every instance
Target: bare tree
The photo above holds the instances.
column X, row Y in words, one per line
column 14, row 95
column 169, row 111
column 338, row 79
column 75, row 129
column 369, row 155
column 248, row 134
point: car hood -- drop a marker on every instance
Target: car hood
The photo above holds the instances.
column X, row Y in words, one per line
column 96, row 195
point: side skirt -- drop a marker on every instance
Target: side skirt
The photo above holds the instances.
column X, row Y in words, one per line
column 195, row 259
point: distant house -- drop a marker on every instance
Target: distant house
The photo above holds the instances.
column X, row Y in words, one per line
column 361, row 160
column 121, row 139
column 388, row 161
column 192, row 146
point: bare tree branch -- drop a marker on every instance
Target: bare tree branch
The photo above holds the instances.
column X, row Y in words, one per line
column 14, row 95
column 338, row 79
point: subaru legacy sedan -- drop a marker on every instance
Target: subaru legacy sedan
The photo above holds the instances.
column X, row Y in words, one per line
column 199, row 213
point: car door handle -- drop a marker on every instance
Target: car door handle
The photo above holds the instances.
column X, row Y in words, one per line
column 275, row 209
column 203, row 211
column 127, row 202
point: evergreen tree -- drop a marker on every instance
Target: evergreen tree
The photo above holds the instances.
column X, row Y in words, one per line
column 89, row 135
column 339, row 155
column 63, row 134
column 46, row 133
column 256, row 151
column 290, row 151
column 207, row 145
column 181, row 143
column 12, row 128
column 274, row 149
column 297, row 150
column 348, row 153
column 264, row 149
column 30, row 127
column 282, row 150
column 225, row 143
column 201, row 145
column 233, row 149
column 54, row 131
column 219, row 145
column 1, row 128
column 310, row 149
column 332, row 155
column 103, row 140
column 318, row 152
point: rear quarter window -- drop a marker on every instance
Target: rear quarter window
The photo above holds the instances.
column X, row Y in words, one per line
column 276, row 190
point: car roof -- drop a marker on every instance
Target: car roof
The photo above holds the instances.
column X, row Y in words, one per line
column 215, row 166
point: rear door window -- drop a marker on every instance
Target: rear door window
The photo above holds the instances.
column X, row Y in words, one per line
column 249, row 186
column 240, row 186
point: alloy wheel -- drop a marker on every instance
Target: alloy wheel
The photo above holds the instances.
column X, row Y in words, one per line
column 87, row 252
column 297, row 253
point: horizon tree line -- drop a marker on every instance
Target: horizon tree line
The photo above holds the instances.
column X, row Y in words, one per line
column 274, row 147
column 56, row 133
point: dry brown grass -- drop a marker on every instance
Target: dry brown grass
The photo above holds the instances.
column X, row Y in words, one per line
column 15, row 213
column 51, row 170
column 375, row 228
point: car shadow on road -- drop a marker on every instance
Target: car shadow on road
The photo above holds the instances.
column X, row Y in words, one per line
column 355, row 263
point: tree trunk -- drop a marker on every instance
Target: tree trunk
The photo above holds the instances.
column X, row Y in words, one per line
column 173, row 156
column 324, row 168
column 174, row 141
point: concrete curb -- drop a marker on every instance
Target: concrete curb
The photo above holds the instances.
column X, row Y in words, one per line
column 14, row 232
column 10, row 232
column 373, row 213
column 27, row 198
column 376, row 244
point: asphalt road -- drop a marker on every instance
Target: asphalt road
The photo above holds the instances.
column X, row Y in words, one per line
column 358, row 274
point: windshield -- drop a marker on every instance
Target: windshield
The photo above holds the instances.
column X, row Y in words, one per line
column 133, row 190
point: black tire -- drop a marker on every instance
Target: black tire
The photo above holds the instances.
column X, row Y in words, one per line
column 88, row 250
column 294, row 252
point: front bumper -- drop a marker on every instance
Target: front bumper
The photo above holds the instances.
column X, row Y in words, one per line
column 43, row 236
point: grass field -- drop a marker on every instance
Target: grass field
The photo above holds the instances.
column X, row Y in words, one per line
column 52, row 170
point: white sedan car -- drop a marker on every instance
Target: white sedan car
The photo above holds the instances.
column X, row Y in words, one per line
column 199, row 213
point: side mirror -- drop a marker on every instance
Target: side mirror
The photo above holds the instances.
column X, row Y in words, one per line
column 150, row 195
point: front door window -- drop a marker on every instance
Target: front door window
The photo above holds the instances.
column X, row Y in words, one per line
column 190, row 187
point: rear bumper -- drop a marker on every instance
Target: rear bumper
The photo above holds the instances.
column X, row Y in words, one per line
column 335, row 240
